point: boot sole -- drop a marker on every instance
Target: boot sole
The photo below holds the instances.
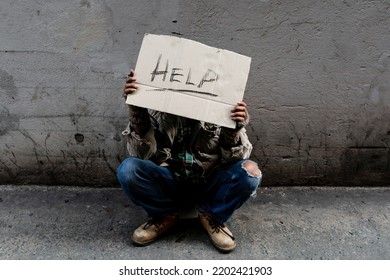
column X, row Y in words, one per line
column 222, row 250
column 142, row 244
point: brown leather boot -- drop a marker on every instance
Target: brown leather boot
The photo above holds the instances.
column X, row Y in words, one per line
column 220, row 235
column 148, row 232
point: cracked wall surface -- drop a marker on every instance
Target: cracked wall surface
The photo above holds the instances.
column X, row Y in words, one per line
column 318, row 89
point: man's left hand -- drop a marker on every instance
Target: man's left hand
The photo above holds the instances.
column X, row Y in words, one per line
column 240, row 114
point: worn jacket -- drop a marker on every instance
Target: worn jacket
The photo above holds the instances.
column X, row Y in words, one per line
column 210, row 144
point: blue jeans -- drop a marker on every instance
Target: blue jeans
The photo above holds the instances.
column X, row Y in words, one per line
column 154, row 188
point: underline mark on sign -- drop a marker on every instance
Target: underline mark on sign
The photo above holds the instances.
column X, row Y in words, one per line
column 184, row 91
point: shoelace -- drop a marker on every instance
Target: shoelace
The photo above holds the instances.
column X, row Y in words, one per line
column 153, row 221
column 217, row 227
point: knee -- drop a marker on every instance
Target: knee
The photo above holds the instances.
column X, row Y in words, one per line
column 254, row 176
column 127, row 170
column 252, row 169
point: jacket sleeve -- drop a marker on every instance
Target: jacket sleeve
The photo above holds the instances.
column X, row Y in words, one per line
column 141, row 141
column 235, row 144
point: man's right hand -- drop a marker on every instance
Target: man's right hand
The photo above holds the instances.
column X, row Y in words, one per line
column 130, row 85
column 138, row 117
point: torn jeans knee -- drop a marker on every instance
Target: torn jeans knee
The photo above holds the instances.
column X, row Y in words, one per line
column 252, row 170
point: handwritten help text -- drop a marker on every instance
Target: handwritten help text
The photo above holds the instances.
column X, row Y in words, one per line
column 179, row 75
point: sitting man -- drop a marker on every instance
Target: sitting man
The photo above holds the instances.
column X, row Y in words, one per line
column 176, row 162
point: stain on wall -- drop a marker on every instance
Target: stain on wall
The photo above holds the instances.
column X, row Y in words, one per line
column 7, row 84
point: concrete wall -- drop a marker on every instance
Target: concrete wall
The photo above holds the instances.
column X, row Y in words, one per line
column 319, row 86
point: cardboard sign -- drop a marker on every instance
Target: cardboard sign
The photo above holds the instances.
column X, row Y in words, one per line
column 189, row 79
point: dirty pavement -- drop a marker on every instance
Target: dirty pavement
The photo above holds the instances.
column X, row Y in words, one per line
column 281, row 223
